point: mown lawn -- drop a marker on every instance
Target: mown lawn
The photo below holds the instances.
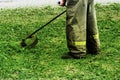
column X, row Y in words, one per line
column 44, row 61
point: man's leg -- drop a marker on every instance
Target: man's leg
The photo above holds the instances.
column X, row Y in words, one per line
column 93, row 43
column 76, row 27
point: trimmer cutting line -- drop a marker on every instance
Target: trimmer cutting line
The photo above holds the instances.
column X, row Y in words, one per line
column 31, row 40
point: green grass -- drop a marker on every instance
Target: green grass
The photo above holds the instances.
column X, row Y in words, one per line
column 43, row 62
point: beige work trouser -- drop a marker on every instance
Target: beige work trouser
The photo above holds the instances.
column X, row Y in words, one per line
column 81, row 31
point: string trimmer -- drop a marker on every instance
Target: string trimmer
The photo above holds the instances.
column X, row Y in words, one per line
column 31, row 40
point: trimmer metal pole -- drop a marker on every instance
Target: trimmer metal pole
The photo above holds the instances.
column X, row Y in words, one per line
column 45, row 24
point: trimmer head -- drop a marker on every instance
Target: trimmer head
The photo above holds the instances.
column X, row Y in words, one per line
column 29, row 42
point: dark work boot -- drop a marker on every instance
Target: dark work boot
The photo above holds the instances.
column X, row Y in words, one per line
column 94, row 51
column 70, row 55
